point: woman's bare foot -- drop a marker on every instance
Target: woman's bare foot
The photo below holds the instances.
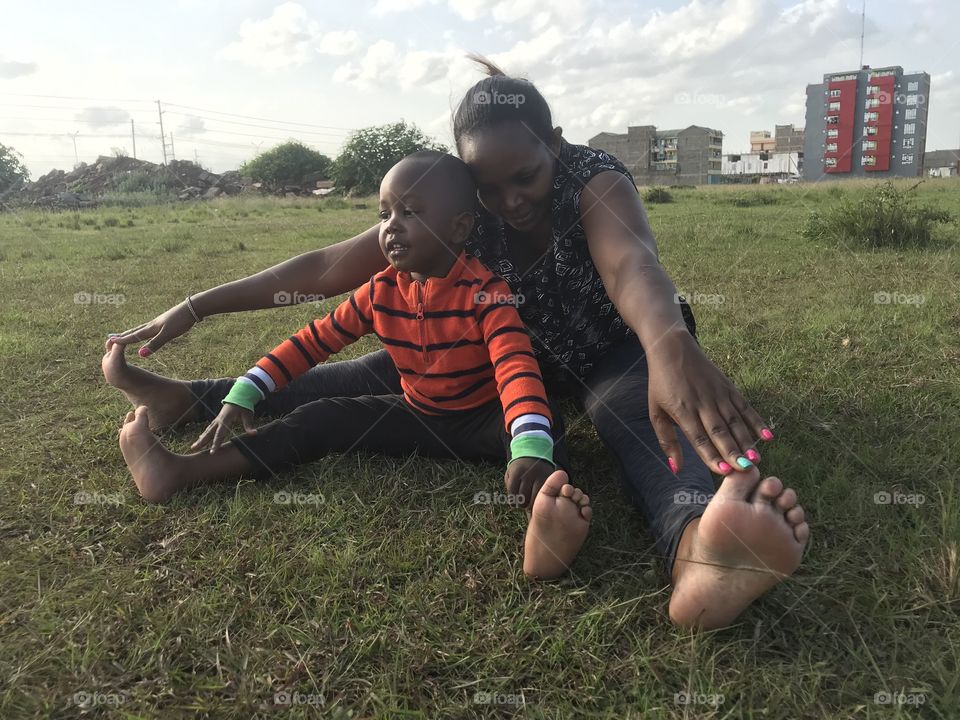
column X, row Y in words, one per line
column 170, row 401
column 155, row 469
column 750, row 538
column 558, row 526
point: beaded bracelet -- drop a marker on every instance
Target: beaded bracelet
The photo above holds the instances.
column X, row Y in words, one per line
column 196, row 318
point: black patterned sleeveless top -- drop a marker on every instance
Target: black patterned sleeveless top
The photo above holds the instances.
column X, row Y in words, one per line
column 561, row 299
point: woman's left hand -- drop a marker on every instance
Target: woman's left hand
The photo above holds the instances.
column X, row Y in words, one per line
column 686, row 388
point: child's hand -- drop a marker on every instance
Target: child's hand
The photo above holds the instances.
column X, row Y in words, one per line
column 525, row 477
column 221, row 427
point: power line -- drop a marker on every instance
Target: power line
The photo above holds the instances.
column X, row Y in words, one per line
column 251, row 117
column 264, row 127
column 74, row 97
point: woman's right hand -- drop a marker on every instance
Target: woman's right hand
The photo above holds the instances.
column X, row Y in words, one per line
column 222, row 425
column 158, row 332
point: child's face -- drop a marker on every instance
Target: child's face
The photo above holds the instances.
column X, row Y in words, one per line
column 514, row 170
column 418, row 229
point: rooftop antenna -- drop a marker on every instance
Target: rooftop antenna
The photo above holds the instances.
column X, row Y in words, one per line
column 863, row 24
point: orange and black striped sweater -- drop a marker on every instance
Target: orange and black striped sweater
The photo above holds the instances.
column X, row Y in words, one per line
column 457, row 341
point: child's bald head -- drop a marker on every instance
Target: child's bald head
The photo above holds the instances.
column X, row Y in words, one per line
column 439, row 176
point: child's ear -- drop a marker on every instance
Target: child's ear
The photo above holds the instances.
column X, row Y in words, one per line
column 462, row 227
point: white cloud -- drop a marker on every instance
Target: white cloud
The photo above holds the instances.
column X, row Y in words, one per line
column 282, row 40
column 384, row 65
column 99, row 117
column 385, row 7
column 470, row 9
column 192, row 125
column 10, row 69
column 339, row 42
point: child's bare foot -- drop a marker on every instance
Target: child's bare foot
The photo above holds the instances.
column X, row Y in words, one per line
column 154, row 468
column 558, row 526
column 170, row 401
column 750, row 538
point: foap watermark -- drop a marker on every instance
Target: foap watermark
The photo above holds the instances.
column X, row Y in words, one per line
column 289, row 698
column 88, row 699
column 486, row 498
column 498, row 298
column 84, row 497
column 285, row 497
column 485, row 97
column 695, row 698
column 898, row 498
column 483, row 697
column 893, row 697
column 901, row 98
column 897, row 298
column 685, row 497
column 699, row 298
column 284, row 297
column 94, row 298
column 699, row 98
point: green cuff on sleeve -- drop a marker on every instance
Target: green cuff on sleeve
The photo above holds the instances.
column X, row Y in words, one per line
column 532, row 446
column 243, row 394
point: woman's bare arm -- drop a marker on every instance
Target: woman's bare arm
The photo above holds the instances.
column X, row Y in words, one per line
column 326, row 272
column 685, row 387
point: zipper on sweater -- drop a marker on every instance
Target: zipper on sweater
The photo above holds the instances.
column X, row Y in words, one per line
column 423, row 340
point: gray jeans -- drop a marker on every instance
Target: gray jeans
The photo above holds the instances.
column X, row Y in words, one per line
column 613, row 395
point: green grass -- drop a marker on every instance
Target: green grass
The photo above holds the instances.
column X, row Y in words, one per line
column 394, row 595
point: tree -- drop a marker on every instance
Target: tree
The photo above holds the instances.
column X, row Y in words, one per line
column 286, row 164
column 13, row 173
column 370, row 152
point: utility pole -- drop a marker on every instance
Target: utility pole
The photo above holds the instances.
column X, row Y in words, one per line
column 133, row 138
column 75, row 155
column 163, row 138
column 173, row 155
column 863, row 25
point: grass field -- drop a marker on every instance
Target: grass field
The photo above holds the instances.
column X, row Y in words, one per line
column 388, row 593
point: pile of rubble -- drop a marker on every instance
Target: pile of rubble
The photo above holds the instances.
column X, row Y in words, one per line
column 83, row 186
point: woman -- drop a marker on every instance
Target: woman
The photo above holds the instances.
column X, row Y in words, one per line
column 564, row 226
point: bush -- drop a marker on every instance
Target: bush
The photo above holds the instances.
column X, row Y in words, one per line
column 370, row 152
column 657, row 194
column 756, row 198
column 145, row 182
column 286, row 164
column 882, row 217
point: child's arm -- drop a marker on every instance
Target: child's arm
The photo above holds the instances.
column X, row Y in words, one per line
column 525, row 407
column 292, row 358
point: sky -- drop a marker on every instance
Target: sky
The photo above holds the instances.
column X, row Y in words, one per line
column 235, row 78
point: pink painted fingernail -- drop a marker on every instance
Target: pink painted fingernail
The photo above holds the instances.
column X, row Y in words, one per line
column 673, row 465
column 724, row 467
column 752, row 455
column 145, row 352
column 766, row 434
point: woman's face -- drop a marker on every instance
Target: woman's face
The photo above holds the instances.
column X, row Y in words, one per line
column 514, row 171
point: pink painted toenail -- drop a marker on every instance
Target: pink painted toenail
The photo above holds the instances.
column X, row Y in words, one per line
column 752, row 455
column 673, row 465
column 766, row 434
column 145, row 352
column 724, row 467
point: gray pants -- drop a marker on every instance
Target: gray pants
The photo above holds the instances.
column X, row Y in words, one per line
column 613, row 395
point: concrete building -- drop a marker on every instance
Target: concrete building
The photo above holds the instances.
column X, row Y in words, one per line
column 942, row 163
column 870, row 122
column 761, row 141
column 788, row 139
column 765, row 166
column 692, row 156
